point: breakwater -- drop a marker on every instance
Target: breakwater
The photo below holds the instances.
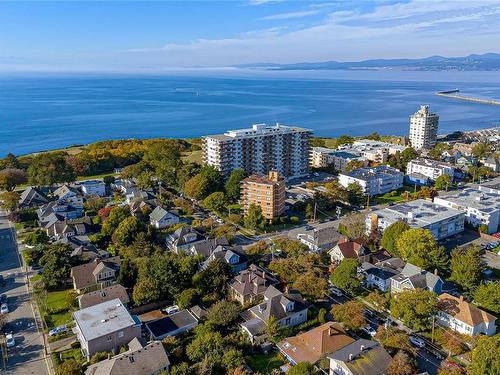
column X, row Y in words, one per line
column 454, row 95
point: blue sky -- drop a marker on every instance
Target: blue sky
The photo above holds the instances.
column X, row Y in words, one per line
column 127, row 35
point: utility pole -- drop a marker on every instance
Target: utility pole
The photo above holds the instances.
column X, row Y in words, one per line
column 433, row 321
column 314, row 214
column 367, row 202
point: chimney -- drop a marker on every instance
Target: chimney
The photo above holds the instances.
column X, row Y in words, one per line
column 436, row 271
column 350, row 357
column 273, row 176
column 461, row 297
column 362, row 348
column 109, row 355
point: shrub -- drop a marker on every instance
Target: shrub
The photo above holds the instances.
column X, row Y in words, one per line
column 75, row 345
column 294, row 220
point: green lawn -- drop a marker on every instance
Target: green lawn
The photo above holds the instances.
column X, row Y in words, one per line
column 265, row 363
column 58, row 319
column 94, row 177
column 58, row 310
column 71, row 354
column 57, row 300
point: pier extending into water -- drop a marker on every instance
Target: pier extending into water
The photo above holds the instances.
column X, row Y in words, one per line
column 454, row 95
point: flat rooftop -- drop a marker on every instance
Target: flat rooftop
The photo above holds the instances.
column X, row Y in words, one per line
column 103, row 318
column 368, row 174
column 171, row 323
column 418, row 213
column 257, row 130
column 480, row 200
column 431, row 163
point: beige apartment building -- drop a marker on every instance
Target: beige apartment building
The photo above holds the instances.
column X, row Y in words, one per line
column 266, row 192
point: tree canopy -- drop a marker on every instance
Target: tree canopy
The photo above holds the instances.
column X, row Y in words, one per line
column 11, row 177
column 486, row 356
column 50, row 168
column 345, row 275
column 466, row 268
column 443, row 182
column 350, row 314
column 391, row 235
column 254, row 218
column 488, row 296
column 415, row 307
column 419, row 247
column 233, row 184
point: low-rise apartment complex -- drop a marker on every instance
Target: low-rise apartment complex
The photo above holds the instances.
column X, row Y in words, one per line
column 260, row 149
column 440, row 220
column 480, row 207
column 374, row 181
column 266, row 192
column 431, row 169
column 324, row 157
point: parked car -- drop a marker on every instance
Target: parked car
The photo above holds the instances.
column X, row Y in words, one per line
column 4, row 309
column 58, row 330
column 416, row 341
column 336, row 291
column 10, row 340
column 3, row 298
column 369, row 329
column 2, row 281
column 171, row 309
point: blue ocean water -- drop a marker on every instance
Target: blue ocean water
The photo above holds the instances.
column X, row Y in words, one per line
column 45, row 112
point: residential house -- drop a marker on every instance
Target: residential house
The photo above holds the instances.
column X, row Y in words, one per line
column 205, row 248
column 289, row 309
column 349, row 249
column 430, row 168
column 62, row 209
column 183, row 238
column 103, row 295
column 105, row 327
column 161, row 218
column 199, row 312
column 136, row 194
column 319, row 239
column 139, row 359
column 141, row 209
column 464, row 317
column 83, row 248
column 492, row 163
column 68, row 228
column 379, row 275
column 362, row 357
column 32, row 197
column 95, row 275
column 249, row 285
column 314, row 344
column 172, row 325
column 234, row 256
column 413, row 277
column 93, row 187
column 66, row 192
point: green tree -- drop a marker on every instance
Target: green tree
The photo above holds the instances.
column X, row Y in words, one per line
column 115, row 217
column 254, row 218
column 390, row 236
column 49, row 168
column 353, row 226
column 11, row 177
column 354, row 164
column 345, row 275
column 233, row 184
column 145, row 180
column 302, row 368
column 10, row 200
column 273, row 329
column 312, row 285
column 481, row 150
column 466, row 268
column 377, row 299
column 350, row 314
column 187, row 298
column 197, row 186
column 392, row 338
column 414, row 308
column 486, row 356
column 309, row 211
column 128, row 273
column 488, row 296
column 223, row 313
column 127, row 231
column 292, row 248
column 356, row 195
column 180, row 369
column 69, row 367
column 420, row 248
column 207, row 343
column 335, row 193
column 164, row 157
column 145, row 291
column 344, row 140
column 322, row 316
column 36, row 237
column 213, row 279
column 443, row 182
column 215, row 201
column 57, row 263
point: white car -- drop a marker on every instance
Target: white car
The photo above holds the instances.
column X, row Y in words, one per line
column 418, row 342
column 10, row 340
column 369, row 329
column 58, row 330
column 4, row 309
column 336, row 291
column 171, row 309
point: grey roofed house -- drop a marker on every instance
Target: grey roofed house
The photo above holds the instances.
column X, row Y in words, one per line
column 274, row 304
column 139, row 359
column 83, row 248
column 103, row 295
column 99, row 320
column 172, row 325
column 183, row 238
column 380, row 272
column 32, row 196
column 87, row 276
column 413, row 277
column 319, row 239
column 232, row 255
column 206, row 247
column 250, row 284
column 137, row 206
column 362, row 357
column 67, row 228
column 65, row 191
column 199, row 312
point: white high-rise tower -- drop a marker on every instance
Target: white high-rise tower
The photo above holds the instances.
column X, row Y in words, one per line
column 423, row 128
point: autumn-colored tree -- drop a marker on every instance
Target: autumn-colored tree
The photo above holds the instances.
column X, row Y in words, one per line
column 350, row 314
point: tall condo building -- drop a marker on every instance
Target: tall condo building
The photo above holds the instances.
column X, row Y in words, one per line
column 266, row 192
column 260, row 149
column 423, row 128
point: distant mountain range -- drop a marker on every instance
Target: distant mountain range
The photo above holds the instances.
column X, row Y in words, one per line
column 487, row 61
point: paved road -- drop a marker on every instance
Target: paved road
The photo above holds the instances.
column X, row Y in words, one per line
column 27, row 357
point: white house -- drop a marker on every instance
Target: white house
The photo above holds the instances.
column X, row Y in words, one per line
column 161, row 218
column 374, row 181
column 430, row 168
column 93, row 187
column 463, row 317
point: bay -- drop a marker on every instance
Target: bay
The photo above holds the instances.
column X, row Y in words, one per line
column 41, row 112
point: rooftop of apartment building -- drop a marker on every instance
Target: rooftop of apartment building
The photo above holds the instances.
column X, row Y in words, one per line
column 479, row 200
column 379, row 172
column 423, row 112
column 431, row 163
column 258, row 130
column 351, row 154
column 378, row 144
column 272, row 178
column 417, row 213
